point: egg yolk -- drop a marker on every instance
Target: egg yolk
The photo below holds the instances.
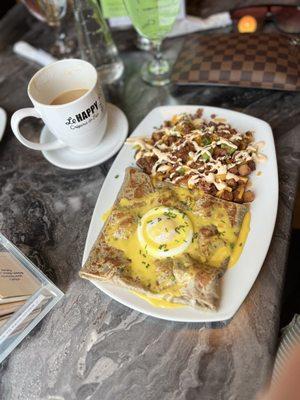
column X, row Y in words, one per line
column 165, row 232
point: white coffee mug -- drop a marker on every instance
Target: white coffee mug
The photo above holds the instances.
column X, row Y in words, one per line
column 79, row 124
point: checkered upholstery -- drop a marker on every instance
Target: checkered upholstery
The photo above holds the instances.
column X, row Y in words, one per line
column 270, row 61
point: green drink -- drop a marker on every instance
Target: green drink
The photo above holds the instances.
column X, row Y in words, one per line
column 153, row 19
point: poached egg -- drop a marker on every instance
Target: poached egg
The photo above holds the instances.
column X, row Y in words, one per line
column 165, row 232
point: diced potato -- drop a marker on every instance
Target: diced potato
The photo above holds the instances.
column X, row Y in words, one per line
column 239, row 192
column 248, row 196
column 244, row 170
column 221, row 177
column 175, row 119
column 219, row 119
column 197, row 122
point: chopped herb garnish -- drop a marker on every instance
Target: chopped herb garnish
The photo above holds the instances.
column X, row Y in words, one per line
column 117, row 176
column 232, row 246
column 162, row 247
column 179, row 227
column 229, row 149
column 205, row 156
column 206, row 141
column 170, row 214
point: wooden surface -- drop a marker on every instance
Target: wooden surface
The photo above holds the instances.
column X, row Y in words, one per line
column 90, row 347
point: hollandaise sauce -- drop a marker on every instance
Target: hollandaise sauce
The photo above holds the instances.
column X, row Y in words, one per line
column 144, row 268
column 157, row 302
column 151, row 235
column 238, row 248
column 157, row 234
column 106, row 214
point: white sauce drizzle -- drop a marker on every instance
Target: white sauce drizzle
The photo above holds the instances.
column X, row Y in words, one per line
column 212, row 171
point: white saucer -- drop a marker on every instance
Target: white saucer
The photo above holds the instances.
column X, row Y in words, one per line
column 116, row 132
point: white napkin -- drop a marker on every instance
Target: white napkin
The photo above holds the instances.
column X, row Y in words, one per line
column 25, row 50
column 191, row 24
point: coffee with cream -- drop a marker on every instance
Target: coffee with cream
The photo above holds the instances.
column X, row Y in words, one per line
column 67, row 97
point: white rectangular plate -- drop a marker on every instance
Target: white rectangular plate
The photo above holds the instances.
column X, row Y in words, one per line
column 238, row 280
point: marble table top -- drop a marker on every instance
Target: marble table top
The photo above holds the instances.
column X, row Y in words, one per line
column 90, row 347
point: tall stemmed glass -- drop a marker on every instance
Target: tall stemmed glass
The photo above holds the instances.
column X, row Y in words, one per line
column 153, row 19
column 52, row 12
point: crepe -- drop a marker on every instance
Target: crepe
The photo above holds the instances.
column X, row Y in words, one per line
column 191, row 278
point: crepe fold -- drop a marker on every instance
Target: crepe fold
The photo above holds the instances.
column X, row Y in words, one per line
column 183, row 279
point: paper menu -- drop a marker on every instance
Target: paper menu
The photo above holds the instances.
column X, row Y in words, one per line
column 41, row 296
column 16, row 283
column 11, row 307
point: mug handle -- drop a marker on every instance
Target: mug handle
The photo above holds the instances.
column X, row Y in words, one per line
column 31, row 112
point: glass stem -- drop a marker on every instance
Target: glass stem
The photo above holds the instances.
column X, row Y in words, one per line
column 157, row 51
column 157, row 71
